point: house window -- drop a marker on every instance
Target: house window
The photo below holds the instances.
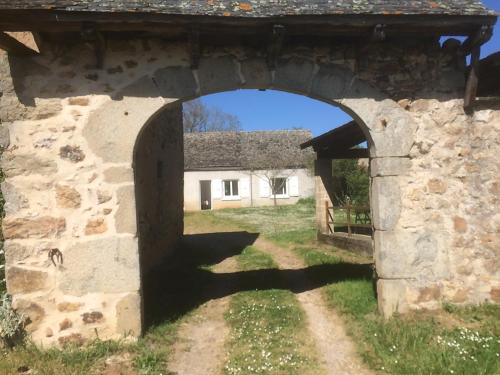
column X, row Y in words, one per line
column 230, row 188
column 279, row 186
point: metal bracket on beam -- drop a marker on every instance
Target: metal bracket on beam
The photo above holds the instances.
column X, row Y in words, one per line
column 379, row 33
column 275, row 45
column 91, row 35
column 472, row 46
column 195, row 48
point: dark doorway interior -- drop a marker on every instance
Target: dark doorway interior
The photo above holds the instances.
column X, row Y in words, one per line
column 206, row 195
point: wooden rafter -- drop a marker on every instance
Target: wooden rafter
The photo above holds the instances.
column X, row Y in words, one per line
column 353, row 153
column 275, row 45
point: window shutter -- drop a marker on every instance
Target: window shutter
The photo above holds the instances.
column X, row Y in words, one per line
column 216, row 189
column 294, row 186
column 264, row 188
column 244, row 187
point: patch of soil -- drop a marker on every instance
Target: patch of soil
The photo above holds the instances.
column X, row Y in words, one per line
column 200, row 348
column 120, row 364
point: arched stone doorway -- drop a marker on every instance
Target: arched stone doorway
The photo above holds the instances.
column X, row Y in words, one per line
column 75, row 128
column 150, row 107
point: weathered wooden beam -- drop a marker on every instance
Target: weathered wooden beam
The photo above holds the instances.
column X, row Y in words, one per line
column 14, row 46
column 194, row 48
column 90, row 34
column 472, row 80
column 354, row 153
column 479, row 38
column 275, row 45
column 30, row 19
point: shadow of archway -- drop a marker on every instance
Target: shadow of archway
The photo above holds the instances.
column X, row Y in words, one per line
column 184, row 282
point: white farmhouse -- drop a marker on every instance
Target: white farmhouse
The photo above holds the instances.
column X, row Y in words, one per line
column 244, row 169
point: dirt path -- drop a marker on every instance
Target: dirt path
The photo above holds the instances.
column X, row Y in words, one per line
column 200, row 348
column 332, row 343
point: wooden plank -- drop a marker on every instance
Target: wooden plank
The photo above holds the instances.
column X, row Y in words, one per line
column 472, row 80
column 355, row 153
column 15, row 47
column 418, row 25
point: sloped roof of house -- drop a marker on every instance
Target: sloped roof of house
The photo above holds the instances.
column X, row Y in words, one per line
column 259, row 8
column 246, row 150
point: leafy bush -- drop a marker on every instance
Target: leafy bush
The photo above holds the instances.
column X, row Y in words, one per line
column 350, row 180
column 11, row 323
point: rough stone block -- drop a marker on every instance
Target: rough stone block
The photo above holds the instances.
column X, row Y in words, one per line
column 88, row 266
column 392, row 297
column 330, row 83
column 96, row 226
column 125, row 116
column 381, row 167
column 14, row 200
column 92, row 317
column 294, row 75
column 125, row 216
column 4, row 136
column 128, row 315
column 256, row 74
column 67, row 197
column 41, row 227
column 218, row 74
column 22, row 280
column 421, row 255
column 176, row 82
column 118, row 175
column 15, row 252
column 391, row 128
column 26, row 164
column 386, row 202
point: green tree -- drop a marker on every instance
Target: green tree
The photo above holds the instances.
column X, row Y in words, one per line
column 351, row 181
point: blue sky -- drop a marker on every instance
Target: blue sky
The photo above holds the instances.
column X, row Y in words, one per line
column 273, row 110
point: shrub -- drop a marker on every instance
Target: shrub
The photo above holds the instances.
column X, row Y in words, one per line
column 11, row 323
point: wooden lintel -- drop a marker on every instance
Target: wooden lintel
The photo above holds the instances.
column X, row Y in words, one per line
column 14, row 46
column 195, row 48
column 354, row 153
column 275, row 45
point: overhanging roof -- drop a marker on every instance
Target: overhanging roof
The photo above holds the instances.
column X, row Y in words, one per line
column 453, row 17
column 338, row 143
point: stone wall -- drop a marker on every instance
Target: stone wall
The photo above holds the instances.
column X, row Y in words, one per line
column 159, row 171
column 69, row 169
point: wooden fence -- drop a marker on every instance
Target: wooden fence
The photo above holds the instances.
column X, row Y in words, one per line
column 347, row 216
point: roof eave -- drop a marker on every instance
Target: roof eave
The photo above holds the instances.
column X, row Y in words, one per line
column 61, row 20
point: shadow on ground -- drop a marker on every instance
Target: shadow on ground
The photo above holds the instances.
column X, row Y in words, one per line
column 183, row 282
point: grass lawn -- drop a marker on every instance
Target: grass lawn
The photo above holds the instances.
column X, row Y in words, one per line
column 456, row 340
column 268, row 331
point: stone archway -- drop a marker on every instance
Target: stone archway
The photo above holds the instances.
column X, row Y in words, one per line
column 388, row 127
column 75, row 128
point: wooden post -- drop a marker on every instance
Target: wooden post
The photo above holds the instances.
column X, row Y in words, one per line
column 472, row 80
column 327, row 218
column 348, row 207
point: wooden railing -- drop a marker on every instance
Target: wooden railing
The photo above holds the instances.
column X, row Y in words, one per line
column 355, row 216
